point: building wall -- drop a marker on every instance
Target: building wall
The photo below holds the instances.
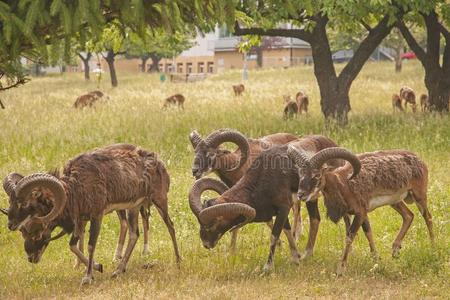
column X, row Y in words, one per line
column 272, row 58
column 189, row 64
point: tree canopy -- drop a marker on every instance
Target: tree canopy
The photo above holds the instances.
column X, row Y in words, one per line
column 28, row 26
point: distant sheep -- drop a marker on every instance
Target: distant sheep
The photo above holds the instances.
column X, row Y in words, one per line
column 176, row 99
column 238, row 89
column 302, row 101
column 396, row 103
column 424, row 103
column 88, row 99
column 407, row 94
column 290, row 110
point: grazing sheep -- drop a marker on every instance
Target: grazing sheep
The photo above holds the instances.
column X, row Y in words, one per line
column 407, row 94
column 238, row 89
column 263, row 192
column 424, row 103
column 302, row 102
column 396, row 103
column 366, row 182
column 290, row 110
column 88, row 99
column 176, row 99
column 117, row 177
column 231, row 166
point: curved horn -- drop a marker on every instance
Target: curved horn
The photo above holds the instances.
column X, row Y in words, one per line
column 10, row 182
column 227, row 210
column 201, row 185
column 195, row 138
column 228, row 135
column 27, row 184
column 300, row 158
column 324, row 155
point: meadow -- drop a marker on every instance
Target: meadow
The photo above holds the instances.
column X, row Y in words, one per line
column 40, row 130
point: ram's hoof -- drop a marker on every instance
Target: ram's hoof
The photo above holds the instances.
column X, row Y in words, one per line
column 87, row 280
column 396, row 251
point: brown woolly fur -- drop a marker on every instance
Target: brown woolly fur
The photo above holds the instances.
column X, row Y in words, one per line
column 238, row 89
column 177, row 99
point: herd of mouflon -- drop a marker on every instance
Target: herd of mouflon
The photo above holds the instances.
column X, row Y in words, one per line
column 262, row 181
column 293, row 107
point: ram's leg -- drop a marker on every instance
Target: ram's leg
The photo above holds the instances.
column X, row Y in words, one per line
column 298, row 228
column 368, row 232
column 163, row 211
column 94, row 231
column 270, row 225
column 357, row 221
column 314, row 221
column 122, row 234
column 295, row 256
column 145, row 214
column 408, row 217
column 133, row 235
column 421, row 201
column 80, row 256
column 78, row 262
column 276, row 230
column 347, row 223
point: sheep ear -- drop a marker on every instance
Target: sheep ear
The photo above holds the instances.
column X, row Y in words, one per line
column 4, row 211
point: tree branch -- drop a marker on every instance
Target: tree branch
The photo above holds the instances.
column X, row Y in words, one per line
column 19, row 81
column 444, row 31
column 293, row 33
column 365, row 49
column 366, row 26
column 412, row 42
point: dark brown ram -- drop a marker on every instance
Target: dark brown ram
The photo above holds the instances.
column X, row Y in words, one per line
column 263, row 192
column 117, row 177
column 231, row 166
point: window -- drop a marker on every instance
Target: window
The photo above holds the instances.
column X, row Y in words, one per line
column 210, row 67
column 201, row 67
column 179, row 67
column 169, row 68
column 189, row 68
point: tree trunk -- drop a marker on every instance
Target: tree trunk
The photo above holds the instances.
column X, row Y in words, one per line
column 86, row 67
column 437, row 77
column 398, row 59
column 259, row 57
column 438, row 90
column 143, row 63
column 154, row 68
column 334, row 101
column 112, row 69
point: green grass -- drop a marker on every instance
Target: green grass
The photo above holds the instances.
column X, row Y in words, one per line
column 40, row 130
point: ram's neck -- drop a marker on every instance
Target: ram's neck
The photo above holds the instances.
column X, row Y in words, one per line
column 334, row 198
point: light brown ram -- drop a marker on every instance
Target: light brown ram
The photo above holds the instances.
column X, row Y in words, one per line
column 366, row 182
column 118, row 177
